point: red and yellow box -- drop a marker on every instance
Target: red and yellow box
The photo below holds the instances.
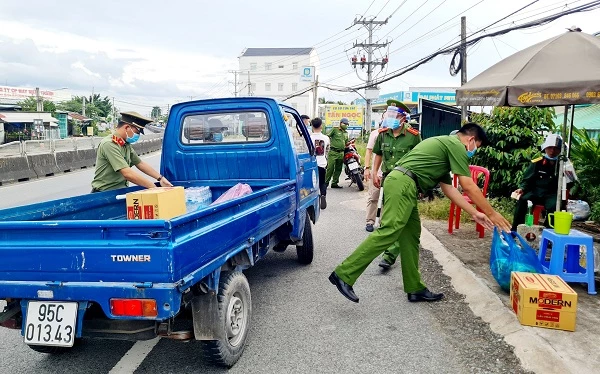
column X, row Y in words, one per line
column 543, row 300
column 156, row 203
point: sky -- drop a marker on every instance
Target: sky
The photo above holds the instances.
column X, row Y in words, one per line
column 153, row 52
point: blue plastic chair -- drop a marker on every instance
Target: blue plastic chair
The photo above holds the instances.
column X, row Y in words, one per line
column 567, row 267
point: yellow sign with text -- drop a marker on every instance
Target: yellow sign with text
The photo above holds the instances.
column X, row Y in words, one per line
column 334, row 113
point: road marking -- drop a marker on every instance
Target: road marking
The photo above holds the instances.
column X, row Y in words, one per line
column 134, row 357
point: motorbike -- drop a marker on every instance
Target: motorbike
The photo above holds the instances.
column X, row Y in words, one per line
column 352, row 166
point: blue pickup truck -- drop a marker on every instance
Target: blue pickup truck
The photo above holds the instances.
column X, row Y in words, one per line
column 76, row 268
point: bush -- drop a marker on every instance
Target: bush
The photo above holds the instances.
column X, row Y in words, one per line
column 515, row 135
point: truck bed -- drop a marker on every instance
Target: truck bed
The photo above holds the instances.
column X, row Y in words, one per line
column 87, row 238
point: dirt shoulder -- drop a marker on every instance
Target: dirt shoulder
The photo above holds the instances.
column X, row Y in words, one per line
column 580, row 346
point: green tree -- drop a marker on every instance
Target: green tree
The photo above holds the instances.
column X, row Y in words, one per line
column 156, row 113
column 102, row 107
column 30, row 105
column 585, row 155
column 515, row 135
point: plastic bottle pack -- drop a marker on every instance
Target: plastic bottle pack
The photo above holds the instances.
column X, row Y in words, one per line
column 197, row 198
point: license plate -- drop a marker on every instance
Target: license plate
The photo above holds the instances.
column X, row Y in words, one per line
column 50, row 323
column 353, row 166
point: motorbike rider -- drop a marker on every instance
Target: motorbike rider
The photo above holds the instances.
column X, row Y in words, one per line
column 339, row 140
column 390, row 146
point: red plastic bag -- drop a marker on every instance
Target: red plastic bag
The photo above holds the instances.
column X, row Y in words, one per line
column 239, row 190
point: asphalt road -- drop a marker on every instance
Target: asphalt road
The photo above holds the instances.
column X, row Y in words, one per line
column 300, row 323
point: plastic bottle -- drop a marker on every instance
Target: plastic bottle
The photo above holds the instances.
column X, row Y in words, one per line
column 529, row 216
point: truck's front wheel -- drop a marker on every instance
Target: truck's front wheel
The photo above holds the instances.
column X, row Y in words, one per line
column 235, row 309
column 306, row 250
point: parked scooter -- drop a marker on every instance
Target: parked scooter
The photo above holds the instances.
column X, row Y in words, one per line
column 353, row 168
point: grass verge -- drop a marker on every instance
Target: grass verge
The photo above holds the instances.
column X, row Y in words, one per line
column 438, row 209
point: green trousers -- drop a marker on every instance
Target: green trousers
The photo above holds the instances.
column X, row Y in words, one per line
column 399, row 222
column 335, row 163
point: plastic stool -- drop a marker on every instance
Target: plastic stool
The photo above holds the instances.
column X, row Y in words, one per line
column 568, row 268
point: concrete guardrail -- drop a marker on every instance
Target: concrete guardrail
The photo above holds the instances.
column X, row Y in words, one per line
column 21, row 161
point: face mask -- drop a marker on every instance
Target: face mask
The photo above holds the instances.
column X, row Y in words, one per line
column 343, row 126
column 132, row 139
column 551, row 158
column 472, row 153
column 395, row 124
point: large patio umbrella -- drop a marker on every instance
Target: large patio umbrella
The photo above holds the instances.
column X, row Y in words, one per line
column 563, row 70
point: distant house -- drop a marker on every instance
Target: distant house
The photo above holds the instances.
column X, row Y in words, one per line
column 28, row 126
column 276, row 73
column 77, row 123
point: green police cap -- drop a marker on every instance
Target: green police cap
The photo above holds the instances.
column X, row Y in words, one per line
column 399, row 104
column 135, row 119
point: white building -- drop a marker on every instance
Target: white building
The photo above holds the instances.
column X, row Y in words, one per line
column 275, row 72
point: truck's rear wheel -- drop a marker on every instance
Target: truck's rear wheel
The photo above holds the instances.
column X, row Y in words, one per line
column 306, row 250
column 235, row 310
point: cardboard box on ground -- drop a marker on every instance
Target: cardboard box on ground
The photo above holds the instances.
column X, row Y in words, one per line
column 543, row 300
column 156, row 203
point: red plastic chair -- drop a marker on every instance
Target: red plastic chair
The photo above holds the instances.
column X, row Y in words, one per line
column 454, row 216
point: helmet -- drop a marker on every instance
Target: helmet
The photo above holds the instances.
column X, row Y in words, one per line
column 552, row 140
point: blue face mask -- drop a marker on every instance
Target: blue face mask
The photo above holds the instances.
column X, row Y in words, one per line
column 392, row 123
column 550, row 158
column 472, row 153
column 132, row 139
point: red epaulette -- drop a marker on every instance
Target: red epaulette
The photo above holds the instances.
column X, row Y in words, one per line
column 413, row 131
column 118, row 140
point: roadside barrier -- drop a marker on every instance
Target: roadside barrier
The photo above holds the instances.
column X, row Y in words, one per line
column 15, row 168
column 20, row 161
column 86, row 158
column 43, row 164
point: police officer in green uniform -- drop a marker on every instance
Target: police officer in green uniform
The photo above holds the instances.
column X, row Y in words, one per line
column 116, row 157
column 335, row 162
column 540, row 182
column 390, row 147
column 430, row 162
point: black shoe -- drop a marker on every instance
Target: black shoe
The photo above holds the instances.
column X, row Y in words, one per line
column 369, row 227
column 336, row 186
column 344, row 288
column 384, row 265
column 323, row 201
column 424, row 295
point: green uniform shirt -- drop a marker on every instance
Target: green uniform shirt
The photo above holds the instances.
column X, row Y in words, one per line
column 433, row 159
column 392, row 148
column 540, row 179
column 338, row 138
column 110, row 159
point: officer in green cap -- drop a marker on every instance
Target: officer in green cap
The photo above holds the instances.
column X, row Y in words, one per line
column 116, row 157
column 390, row 147
column 338, row 137
column 430, row 162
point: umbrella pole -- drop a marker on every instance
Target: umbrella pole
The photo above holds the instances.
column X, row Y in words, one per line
column 561, row 163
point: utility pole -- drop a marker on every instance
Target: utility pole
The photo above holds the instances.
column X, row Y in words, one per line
column 315, row 99
column 249, row 85
column 39, row 106
column 83, row 106
column 114, row 113
column 463, row 60
column 235, row 83
column 370, row 47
